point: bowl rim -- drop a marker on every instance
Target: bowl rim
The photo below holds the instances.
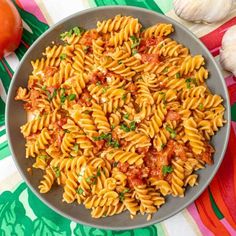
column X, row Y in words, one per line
column 145, row 223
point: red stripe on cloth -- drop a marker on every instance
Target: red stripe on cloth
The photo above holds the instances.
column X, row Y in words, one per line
column 223, row 186
column 208, row 216
column 214, row 38
column 232, row 93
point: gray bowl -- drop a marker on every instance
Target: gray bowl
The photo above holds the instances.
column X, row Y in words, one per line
column 16, row 116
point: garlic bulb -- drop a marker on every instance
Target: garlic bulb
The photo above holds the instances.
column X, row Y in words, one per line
column 228, row 50
column 206, row 11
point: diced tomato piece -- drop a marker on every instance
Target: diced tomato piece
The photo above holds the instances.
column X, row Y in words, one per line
column 207, row 154
column 142, row 150
column 123, row 167
column 132, row 87
column 114, row 135
column 153, row 58
column 86, row 98
column 135, row 182
column 179, row 151
column 88, row 37
column 149, row 42
column 62, row 121
column 172, row 115
column 100, row 144
column 50, row 71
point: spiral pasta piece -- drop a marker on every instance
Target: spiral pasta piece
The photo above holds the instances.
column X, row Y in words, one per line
column 157, row 120
column 115, row 24
column 195, row 139
column 158, row 30
column 46, row 184
column 177, row 180
column 41, row 143
column 123, row 156
column 100, row 119
column 70, row 187
column 131, row 28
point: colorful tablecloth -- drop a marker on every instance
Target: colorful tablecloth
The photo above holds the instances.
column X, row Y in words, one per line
column 22, row 213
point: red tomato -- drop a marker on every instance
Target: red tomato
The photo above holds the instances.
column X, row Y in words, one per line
column 150, row 58
column 11, row 27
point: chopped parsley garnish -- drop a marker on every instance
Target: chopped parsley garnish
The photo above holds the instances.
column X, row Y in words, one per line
column 104, row 90
column 115, row 164
column 57, row 171
column 43, row 157
column 98, row 83
column 120, row 62
column 126, row 116
column 93, row 179
column 72, row 97
column 63, row 98
column 177, row 75
column 53, row 95
column 132, row 125
column 200, row 106
column 134, row 51
column 108, row 138
column 85, row 49
column 124, row 127
column 188, row 82
column 166, row 70
column 86, row 112
column 163, row 97
column 162, row 146
column 76, row 147
column 63, row 56
column 66, row 131
column 135, row 41
column 98, row 172
column 112, row 126
column 88, row 179
column 124, row 96
column 122, row 194
column 80, row 191
column 171, row 131
column 44, row 88
column 115, row 144
column 166, row 169
column 76, row 30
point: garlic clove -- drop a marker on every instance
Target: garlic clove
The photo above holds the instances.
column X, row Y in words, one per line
column 227, row 58
column 229, row 37
column 207, row 11
column 228, row 50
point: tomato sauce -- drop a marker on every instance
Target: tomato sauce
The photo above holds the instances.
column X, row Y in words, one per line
column 153, row 163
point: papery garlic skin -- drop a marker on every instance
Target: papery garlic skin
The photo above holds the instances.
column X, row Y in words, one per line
column 206, row 11
column 229, row 37
column 228, row 50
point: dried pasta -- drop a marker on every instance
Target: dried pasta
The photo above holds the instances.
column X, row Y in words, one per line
column 122, row 117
